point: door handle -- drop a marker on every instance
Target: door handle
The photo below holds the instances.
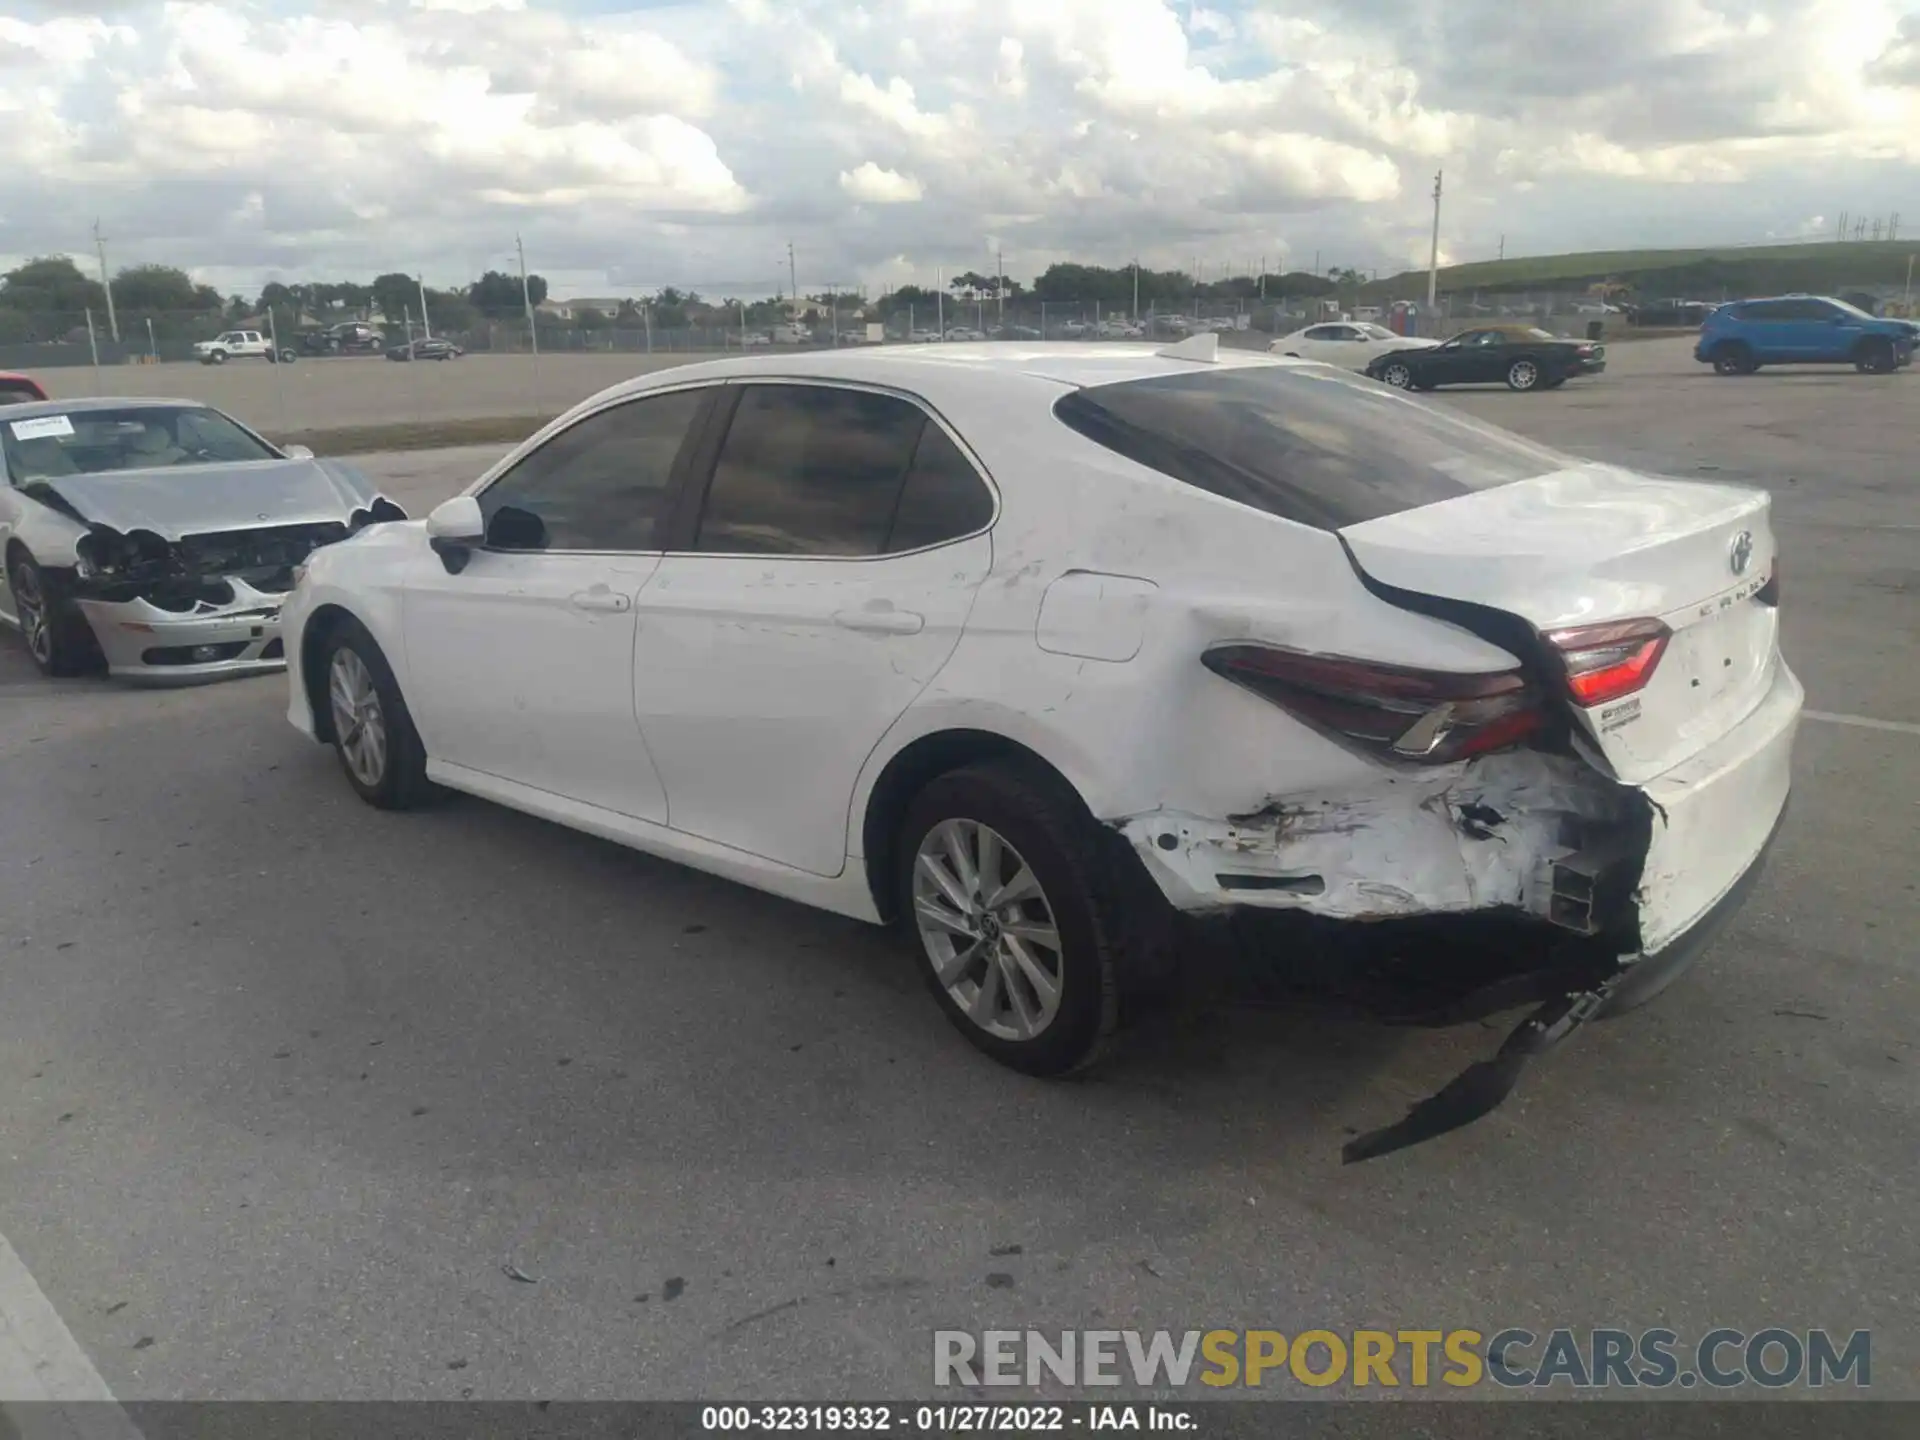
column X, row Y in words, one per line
column 605, row 601
column 880, row 622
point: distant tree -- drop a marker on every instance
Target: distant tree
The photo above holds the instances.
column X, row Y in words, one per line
column 154, row 288
column 206, row 299
column 497, row 294
column 450, row 310
column 589, row 318
column 276, row 296
column 50, row 283
column 397, row 296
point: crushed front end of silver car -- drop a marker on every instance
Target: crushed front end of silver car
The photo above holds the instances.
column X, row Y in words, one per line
column 181, row 572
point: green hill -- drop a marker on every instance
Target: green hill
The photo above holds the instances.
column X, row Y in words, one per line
column 1705, row 273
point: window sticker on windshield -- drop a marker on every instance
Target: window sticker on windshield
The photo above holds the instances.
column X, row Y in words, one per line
column 41, row 427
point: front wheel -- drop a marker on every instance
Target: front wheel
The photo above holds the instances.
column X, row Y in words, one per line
column 373, row 732
column 1523, row 375
column 1398, row 375
column 1026, row 929
column 1876, row 358
column 216, row 357
column 57, row 635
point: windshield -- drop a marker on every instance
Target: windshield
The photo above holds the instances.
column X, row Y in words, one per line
column 142, row 437
column 1853, row 309
column 1309, row 444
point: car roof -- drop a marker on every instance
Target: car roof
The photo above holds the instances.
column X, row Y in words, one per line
column 81, row 405
column 925, row 369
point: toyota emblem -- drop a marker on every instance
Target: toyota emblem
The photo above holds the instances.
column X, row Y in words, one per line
column 1742, row 553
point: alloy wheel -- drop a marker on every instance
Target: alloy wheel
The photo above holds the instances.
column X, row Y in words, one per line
column 359, row 722
column 31, row 607
column 987, row 929
column 1524, row 375
column 1398, row 376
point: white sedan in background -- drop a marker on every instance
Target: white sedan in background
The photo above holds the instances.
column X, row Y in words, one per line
column 1048, row 653
column 1350, row 344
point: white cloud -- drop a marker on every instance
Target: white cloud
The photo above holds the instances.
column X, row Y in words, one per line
column 872, row 185
column 686, row 143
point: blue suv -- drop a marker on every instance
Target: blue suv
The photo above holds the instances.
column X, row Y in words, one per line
column 1738, row 339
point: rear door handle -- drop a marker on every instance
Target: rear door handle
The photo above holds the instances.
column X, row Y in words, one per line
column 606, row 601
column 881, row 622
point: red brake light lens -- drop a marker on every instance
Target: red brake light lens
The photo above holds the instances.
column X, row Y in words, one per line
column 1393, row 711
column 1609, row 662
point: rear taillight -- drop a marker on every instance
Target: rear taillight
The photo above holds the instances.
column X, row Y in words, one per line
column 1611, row 661
column 1433, row 716
column 1769, row 593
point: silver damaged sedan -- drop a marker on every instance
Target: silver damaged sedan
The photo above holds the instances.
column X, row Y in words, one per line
column 157, row 538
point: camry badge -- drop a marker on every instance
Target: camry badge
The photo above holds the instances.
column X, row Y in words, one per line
column 1742, row 553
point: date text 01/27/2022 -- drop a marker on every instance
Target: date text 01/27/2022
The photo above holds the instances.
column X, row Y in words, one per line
column 946, row 1419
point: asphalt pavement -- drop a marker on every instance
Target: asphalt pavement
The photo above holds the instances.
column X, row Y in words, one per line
column 303, row 1100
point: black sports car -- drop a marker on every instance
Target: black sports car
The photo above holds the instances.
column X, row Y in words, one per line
column 423, row 350
column 1523, row 357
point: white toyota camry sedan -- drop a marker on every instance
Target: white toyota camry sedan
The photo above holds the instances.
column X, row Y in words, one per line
column 1046, row 652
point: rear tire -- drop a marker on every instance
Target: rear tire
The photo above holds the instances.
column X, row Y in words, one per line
column 1034, row 896
column 1734, row 358
column 373, row 733
column 1523, row 375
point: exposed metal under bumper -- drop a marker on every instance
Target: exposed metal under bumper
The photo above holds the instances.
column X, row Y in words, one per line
column 1482, row 1086
column 142, row 642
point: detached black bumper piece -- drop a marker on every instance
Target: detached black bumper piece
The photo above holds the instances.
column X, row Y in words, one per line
column 1481, row 1087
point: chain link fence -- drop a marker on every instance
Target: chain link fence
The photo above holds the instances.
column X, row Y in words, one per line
column 57, row 340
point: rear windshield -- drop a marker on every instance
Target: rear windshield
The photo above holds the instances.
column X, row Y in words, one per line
column 1315, row 446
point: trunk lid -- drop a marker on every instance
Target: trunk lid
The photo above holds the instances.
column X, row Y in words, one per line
column 1591, row 544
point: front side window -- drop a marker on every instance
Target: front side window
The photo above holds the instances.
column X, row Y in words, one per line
column 601, row 484
column 809, row 470
column 1306, row 443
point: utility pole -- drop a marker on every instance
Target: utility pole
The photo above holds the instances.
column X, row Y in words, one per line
column 526, row 296
column 1433, row 255
column 425, row 323
column 1000, row 289
column 1843, row 225
column 793, row 284
column 1263, row 277
column 1136, row 289
column 100, row 249
column 1503, row 247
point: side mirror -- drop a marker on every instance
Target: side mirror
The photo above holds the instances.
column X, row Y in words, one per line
column 296, row 452
column 454, row 528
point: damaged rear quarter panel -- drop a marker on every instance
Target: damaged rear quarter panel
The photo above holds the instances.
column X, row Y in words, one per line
column 1476, row 835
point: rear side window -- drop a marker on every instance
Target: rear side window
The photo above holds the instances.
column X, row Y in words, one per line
column 819, row 470
column 944, row 497
column 1323, row 449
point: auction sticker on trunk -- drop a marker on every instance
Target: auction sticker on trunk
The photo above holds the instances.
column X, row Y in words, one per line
column 41, row 427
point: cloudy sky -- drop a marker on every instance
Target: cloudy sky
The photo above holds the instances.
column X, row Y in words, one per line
column 639, row 143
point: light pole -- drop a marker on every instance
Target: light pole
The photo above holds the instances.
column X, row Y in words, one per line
column 100, row 249
column 1433, row 255
column 1136, row 289
column 425, row 324
column 526, row 296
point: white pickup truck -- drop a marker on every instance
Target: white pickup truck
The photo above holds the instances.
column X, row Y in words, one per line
column 239, row 345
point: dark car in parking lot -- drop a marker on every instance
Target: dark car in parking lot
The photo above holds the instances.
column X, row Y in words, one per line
column 1522, row 357
column 349, row 337
column 424, row 350
column 1802, row 330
